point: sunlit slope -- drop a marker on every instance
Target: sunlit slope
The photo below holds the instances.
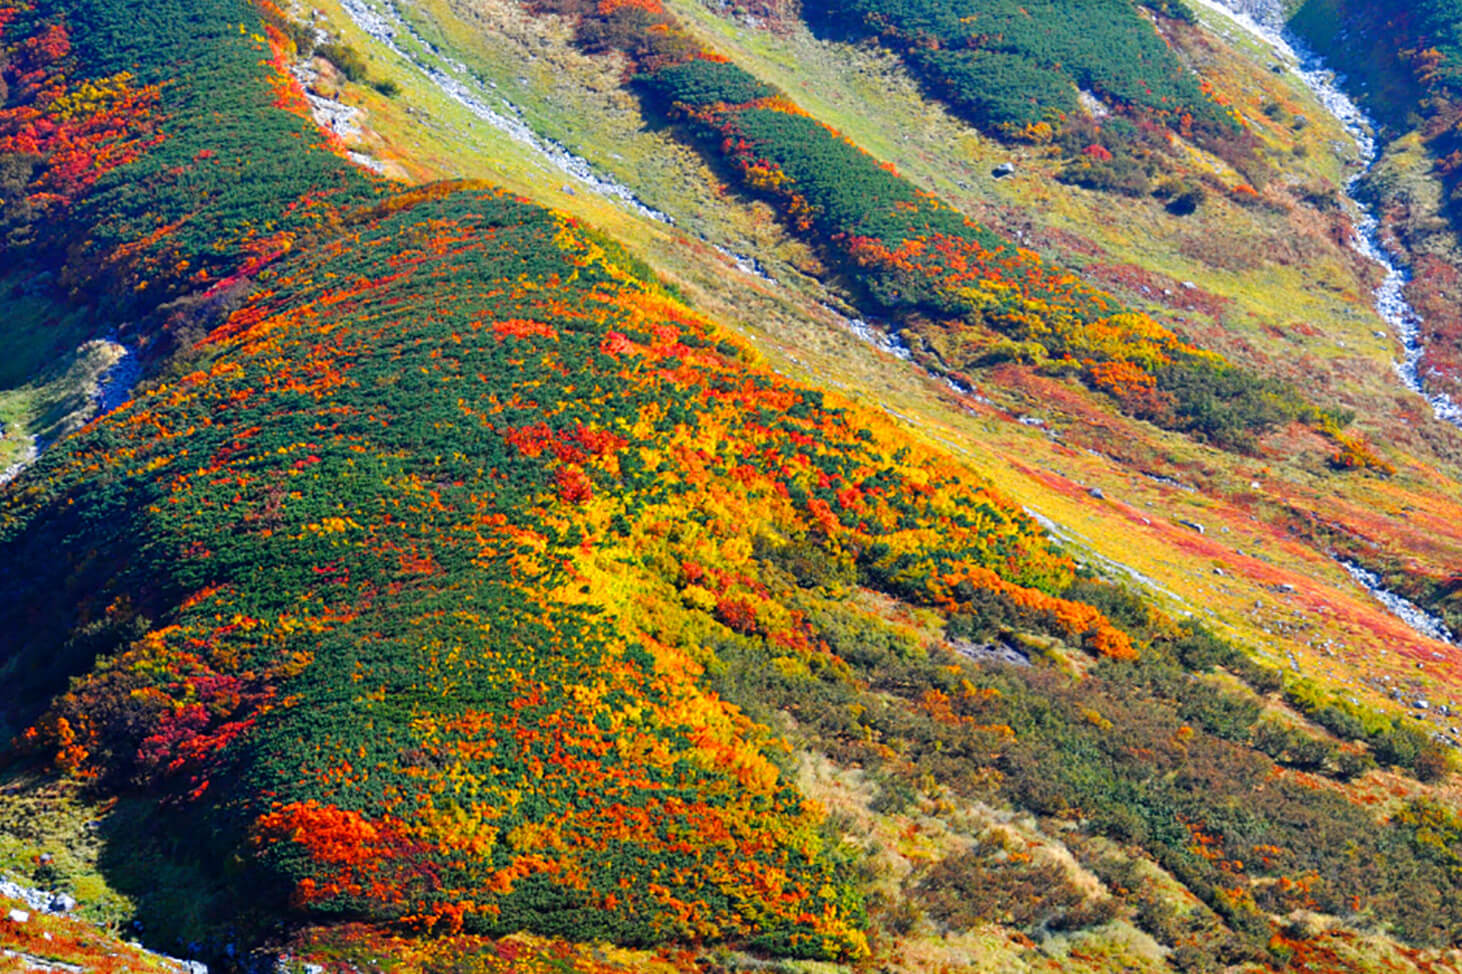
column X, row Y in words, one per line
column 1268, row 280
column 459, row 595
column 407, row 530
column 395, row 541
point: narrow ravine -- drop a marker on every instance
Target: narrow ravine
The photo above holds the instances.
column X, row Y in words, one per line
column 114, row 386
column 1264, row 20
column 383, row 22
column 97, row 378
column 1408, row 612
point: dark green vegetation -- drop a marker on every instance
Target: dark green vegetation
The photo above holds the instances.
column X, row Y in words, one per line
column 1015, row 68
column 964, row 295
column 194, row 209
column 1012, row 65
column 458, row 580
column 1159, row 755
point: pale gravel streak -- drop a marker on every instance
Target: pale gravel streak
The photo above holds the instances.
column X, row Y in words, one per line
column 334, row 115
column 1264, row 19
column 385, row 24
column 883, row 338
column 1408, row 612
column 1071, row 539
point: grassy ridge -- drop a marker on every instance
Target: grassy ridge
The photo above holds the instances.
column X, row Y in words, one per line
column 281, row 561
column 970, row 297
column 452, row 587
column 1016, row 67
column 397, row 504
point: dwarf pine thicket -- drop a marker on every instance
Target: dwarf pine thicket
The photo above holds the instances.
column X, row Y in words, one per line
column 971, row 297
column 450, row 578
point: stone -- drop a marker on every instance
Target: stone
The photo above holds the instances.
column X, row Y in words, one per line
column 1097, row 493
column 18, row 916
column 1003, row 170
column 61, row 903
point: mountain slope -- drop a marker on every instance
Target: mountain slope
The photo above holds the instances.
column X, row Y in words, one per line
column 453, row 593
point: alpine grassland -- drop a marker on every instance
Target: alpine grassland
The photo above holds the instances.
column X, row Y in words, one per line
column 474, row 584
column 969, row 296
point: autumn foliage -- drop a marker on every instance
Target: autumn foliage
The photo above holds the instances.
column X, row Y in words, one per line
column 442, row 585
column 958, row 286
column 385, row 581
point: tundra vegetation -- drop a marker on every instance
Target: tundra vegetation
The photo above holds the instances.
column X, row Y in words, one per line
column 453, row 595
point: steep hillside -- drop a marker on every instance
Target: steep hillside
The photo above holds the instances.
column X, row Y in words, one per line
column 479, row 584
column 1201, row 270
column 1404, row 62
column 1039, row 72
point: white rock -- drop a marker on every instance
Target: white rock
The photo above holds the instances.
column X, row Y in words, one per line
column 18, row 916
